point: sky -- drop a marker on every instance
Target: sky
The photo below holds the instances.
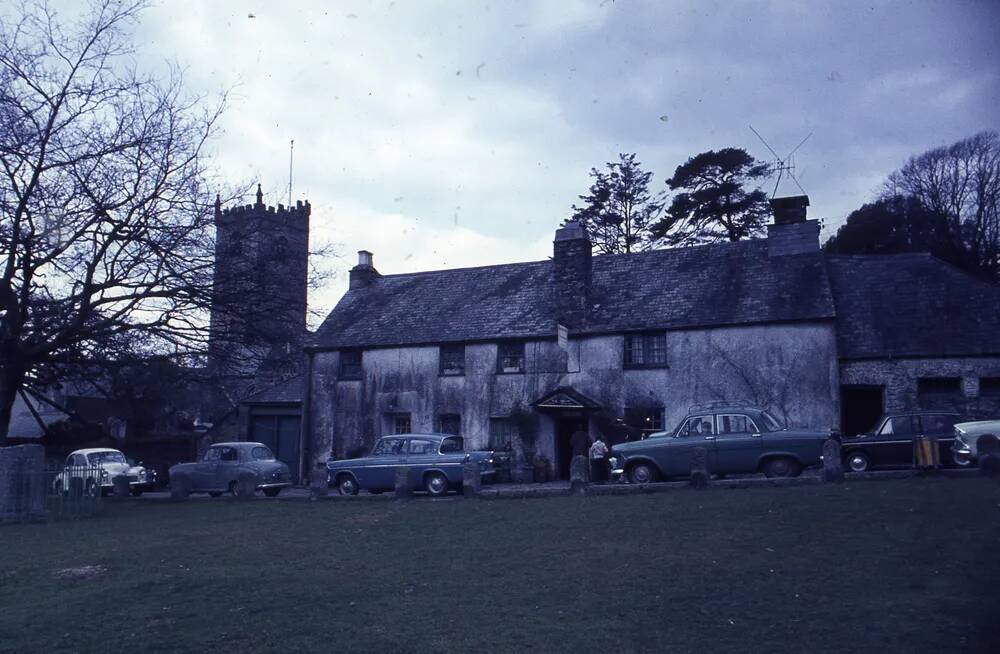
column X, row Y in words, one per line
column 452, row 134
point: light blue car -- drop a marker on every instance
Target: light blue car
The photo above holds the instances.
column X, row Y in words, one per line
column 435, row 460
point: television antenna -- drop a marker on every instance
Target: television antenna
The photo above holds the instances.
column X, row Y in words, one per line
column 784, row 165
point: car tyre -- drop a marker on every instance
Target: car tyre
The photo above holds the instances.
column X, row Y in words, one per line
column 642, row 473
column 215, row 493
column 436, row 484
column 782, row 467
column 347, row 485
column 857, row 462
column 272, row 492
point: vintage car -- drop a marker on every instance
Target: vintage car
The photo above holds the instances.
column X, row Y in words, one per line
column 737, row 439
column 965, row 448
column 225, row 464
column 890, row 444
column 436, row 461
column 97, row 467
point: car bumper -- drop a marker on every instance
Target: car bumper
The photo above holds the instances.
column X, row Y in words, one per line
column 276, row 484
column 962, row 454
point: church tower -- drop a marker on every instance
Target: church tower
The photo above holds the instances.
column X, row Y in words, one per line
column 259, row 289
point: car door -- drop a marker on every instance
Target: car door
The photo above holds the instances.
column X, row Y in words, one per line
column 420, row 455
column 205, row 469
column 379, row 470
column 738, row 444
column 674, row 456
column 892, row 444
column 228, row 469
column 940, row 426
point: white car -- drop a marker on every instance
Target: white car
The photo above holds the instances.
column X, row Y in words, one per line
column 965, row 449
column 96, row 468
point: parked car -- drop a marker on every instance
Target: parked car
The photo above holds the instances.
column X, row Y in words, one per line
column 890, row 444
column 225, row 464
column 96, row 468
column 737, row 439
column 436, row 461
column 965, row 446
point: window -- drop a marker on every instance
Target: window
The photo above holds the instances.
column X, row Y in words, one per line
column 989, row 386
column 736, row 424
column 279, row 249
column 212, row 454
column 422, row 446
column 454, row 444
column 450, row 423
column 937, row 424
column 401, row 423
column 898, row 426
column 389, row 447
column 939, row 391
column 698, row 426
column 510, row 357
column 452, row 359
column 501, row 433
column 648, row 420
column 350, row 364
column 261, row 454
column 228, row 454
column 645, row 350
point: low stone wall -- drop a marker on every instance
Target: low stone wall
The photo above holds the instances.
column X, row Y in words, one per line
column 22, row 483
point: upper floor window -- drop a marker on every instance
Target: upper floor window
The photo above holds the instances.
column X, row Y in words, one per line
column 939, row 392
column 645, row 350
column 350, row 364
column 510, row 357
column 401, row 423
column 452, row 359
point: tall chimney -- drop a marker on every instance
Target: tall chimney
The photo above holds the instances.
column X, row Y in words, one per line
column 791, row 232
column 364, row 273
column 572, row 267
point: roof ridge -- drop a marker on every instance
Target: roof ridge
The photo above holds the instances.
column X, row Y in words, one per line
column 466, row 268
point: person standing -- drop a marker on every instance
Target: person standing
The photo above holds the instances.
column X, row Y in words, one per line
column 598, row 461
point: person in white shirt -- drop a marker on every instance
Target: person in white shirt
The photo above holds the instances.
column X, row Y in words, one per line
column 598, row 461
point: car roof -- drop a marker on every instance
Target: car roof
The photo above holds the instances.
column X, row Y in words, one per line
column 94, row 450
column 431, row 436
column 922, row 412
column 239, row 444
column 725, row 408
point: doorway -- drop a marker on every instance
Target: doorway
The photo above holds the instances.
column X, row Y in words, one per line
column 565, row 428
column 861, row 406
column 281, row 434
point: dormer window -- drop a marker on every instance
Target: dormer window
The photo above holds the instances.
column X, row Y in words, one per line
column 646, row 350
column 452, row 360
column 350, row 364
column 510, row 357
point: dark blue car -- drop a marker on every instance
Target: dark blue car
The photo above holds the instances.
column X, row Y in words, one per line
column 435, row 460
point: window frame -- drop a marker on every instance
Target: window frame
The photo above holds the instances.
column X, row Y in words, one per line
column 501, row 433
column 649, row 343
column 510, row 345
column 749, row 423
column 343, row 373
column 395, row 423
column 453, row 350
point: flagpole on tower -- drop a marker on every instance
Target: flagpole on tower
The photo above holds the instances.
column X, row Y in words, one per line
column 291, row 153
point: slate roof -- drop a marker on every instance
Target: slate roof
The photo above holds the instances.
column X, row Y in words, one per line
column 910, row 305
column 702, row 286
column 289, row 390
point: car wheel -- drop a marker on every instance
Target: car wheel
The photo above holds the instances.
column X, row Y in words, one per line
column 642, row 473
column 857, row 462
column 136, row 492
column 782, row 467
column 347, row 485
column 272, row 492
column 436, row 484
column 215, row 493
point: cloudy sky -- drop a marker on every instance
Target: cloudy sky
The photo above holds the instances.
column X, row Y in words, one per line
column 449, row 134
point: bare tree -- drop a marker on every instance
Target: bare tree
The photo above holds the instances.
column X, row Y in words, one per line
column 106, row 216
column 960, row 182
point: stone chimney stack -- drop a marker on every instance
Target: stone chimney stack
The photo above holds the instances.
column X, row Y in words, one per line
column 791, row 232
column 364, row 273
column 572, row 268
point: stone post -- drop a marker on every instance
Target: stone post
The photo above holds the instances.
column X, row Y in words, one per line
column 22, row 482
column 404, row 483
column 988, row 453
column 833, row 467
column 579, row 469
column 699, row 468
column 472, row 480
column 121, row 486
column 319, row 485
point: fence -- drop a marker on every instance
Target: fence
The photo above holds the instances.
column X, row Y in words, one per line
column 32, row 490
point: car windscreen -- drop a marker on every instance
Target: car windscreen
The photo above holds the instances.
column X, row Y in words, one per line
column 261, row 454
column 770, row 422
column 99, row 458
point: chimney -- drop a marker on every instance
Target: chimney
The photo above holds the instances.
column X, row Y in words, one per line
column 791, row 232
column 364, row 273
column 571, row 256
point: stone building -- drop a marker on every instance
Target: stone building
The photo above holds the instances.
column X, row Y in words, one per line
column 524, row 354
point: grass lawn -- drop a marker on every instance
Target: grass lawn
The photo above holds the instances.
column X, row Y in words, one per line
column 892, row 566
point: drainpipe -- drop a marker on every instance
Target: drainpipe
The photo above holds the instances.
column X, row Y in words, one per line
column 306, row 422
